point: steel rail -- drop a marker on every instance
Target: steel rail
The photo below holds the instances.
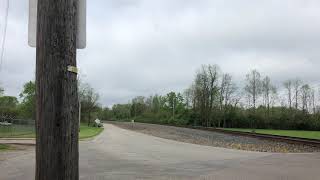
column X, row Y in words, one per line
column 279, row 138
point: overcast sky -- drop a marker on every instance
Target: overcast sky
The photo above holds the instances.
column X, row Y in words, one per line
column 143, row 47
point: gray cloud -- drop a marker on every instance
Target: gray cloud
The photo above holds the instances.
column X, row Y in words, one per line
column 142, row 47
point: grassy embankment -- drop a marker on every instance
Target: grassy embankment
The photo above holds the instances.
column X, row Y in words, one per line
column 290, row 133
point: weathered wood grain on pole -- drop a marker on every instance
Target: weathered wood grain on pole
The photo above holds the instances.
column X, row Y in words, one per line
column 57, row 153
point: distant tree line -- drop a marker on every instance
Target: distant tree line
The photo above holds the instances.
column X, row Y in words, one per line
column 214, row 99
column 24, row 107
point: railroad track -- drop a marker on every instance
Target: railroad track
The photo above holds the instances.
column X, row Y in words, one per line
column 294, row 140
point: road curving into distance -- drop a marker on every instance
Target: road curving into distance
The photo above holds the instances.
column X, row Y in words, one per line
column 123, row 154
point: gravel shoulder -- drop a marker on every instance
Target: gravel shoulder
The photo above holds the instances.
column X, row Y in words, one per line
column 216, row 139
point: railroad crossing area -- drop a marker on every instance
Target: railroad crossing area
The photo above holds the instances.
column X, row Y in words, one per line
column 121, row 153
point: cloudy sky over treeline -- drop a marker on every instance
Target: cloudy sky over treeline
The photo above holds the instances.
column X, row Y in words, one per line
column 143, row 47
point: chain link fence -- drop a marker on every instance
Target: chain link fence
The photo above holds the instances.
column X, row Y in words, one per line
column 11, row 128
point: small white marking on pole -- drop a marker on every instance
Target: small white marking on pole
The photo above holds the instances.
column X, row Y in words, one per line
column 73, row 69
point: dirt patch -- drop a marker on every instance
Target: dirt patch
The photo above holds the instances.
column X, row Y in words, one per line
column 215, row 139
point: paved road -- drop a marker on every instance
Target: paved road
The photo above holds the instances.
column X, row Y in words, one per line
column 123, row 154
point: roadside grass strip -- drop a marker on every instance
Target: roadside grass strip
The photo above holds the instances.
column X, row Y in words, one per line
column 85, row 132
column 4, row 147
column 289, row 133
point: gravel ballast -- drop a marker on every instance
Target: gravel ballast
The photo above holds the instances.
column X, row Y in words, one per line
column 216, row 139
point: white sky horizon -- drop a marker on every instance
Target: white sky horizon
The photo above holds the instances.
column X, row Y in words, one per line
column 143, row 47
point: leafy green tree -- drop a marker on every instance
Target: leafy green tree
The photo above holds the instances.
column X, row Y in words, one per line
column 8, row 106
column 138, row 106
column 121, row 111
column 206, row 93
column 105, row 114
column 155, row 108
column 89, row 102
column 8, row 101
column 1, row 91
column 28, row 104
column 175, row 104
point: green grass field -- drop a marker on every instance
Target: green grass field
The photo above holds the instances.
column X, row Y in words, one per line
column 17, row 131
column 291, row 133
column 28, row 132
column 88, row 132
column 4, row 147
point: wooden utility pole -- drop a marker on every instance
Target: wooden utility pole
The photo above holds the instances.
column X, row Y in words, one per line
column 57, row 123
